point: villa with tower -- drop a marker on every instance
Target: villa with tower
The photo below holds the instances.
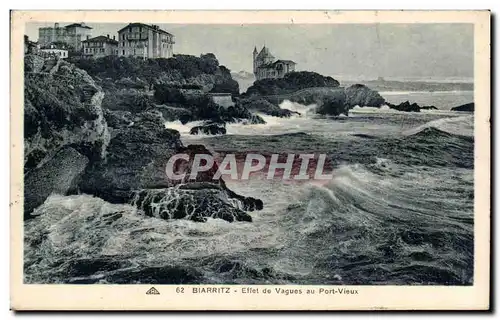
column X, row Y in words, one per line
column 265, row 66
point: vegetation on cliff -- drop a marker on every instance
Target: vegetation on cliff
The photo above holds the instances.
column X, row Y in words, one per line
column 130, row 72
column 62, row 108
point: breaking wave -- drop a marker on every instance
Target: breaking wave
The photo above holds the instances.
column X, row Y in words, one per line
column 462, row 126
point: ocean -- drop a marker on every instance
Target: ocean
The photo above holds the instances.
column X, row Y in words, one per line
column 398, row 210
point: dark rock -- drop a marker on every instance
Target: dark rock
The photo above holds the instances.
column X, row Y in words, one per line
column 468, row 107
column 175, row 113
column 58, row 175
column 405, row 106
column 256, row 104
column 361, row 95
column 428, row 108
column 136, row 159
column 409, row 107
column 134, row 172
column 211, row 128
column 333, row 104
column 117, row 118
column 191, row 204
column 291, row 82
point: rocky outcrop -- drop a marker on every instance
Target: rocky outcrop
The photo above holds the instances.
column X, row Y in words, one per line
column 361, row 95
column 33, row 63
column 191, row 204
column 291, row 82
column 198, row 106
column 468, row 107
column 59, row 110
column 136, row 159
column 261, row 105
column 209, row 128
column 58, row 175
column 134, row 172
column 175, row 113
column 334, row 104
column 410, row 107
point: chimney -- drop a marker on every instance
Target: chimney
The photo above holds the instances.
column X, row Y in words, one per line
column 108, row 36
column 88, row 37
column 82, row 24
column 114, row 38
column 56, row 25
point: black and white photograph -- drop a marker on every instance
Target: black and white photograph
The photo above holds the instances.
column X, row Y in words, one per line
column 326, row 154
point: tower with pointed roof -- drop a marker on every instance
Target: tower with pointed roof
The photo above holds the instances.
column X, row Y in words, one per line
column 255, row 53
column 265, row 66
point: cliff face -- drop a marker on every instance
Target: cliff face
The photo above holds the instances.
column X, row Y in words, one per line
column 61, row 107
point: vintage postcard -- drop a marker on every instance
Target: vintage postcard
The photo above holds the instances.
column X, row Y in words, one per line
column 250, row 160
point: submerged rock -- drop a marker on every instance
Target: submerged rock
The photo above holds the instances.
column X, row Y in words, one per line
column 58, row 175
column 410, row 107
column 468, row 107
column 210, row 128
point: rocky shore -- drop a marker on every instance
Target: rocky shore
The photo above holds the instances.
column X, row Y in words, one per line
column 75, row 145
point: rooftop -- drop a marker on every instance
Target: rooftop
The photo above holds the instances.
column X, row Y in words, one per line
column 272, row 65
column 78, row 25
column 147, row 26
column 101, row 39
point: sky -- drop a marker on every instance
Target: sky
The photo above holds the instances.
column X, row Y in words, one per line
column 357, row 51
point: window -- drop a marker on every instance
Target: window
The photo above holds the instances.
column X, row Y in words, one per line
column 102, row 49
column 123, row 36
column 130, row 29
column 123, row 52
column 140, row 29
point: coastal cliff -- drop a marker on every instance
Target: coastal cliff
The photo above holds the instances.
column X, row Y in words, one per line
column 181, row 88
column 74, row 144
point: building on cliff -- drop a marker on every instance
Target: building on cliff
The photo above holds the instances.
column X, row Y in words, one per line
column 72, row 35
column 100, row 46
column 145, row 41
column 265, row 66
column 56, row 50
